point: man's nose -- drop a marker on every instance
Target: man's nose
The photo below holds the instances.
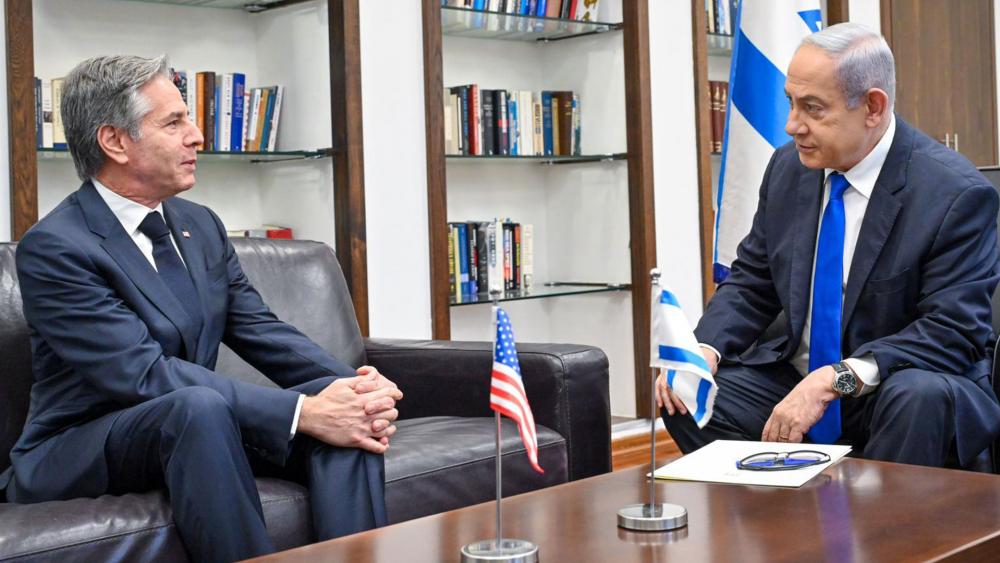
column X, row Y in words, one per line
column 793, row 125
column 195, row 137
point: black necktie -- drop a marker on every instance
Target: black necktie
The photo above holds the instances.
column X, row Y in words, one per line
column 169, row 265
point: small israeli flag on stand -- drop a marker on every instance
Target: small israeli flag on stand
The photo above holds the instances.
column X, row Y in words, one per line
column 675, row 349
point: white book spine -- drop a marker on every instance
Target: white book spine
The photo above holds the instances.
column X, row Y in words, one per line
column 226, row 113
column 246, row 120
column 254, row 116
column 527, row 255
column 48, row 130
column 192, row 96
column 448, row 119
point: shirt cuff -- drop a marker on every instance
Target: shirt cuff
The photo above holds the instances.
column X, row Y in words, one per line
column 295, row 418
column 866, row 369
column 718, row 356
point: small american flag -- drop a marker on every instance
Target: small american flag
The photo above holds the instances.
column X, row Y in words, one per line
column 507, row 395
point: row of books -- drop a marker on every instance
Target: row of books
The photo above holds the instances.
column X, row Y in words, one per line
column 511, row 122
column 49, row 130
column 265, row 231
column 232, row 117
column 584, row 10
column 489, row 254
column 722, row 16
column 719, row 92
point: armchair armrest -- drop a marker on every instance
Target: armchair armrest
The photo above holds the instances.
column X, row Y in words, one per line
column 567, row 388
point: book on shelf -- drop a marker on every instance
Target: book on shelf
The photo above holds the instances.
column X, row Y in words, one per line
column 484, row 254
column 484, row 122
column 584, row 10
column 45, row 116
column 264, row 231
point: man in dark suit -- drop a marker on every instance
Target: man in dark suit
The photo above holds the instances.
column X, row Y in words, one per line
column 128, row 293
column 879, row 246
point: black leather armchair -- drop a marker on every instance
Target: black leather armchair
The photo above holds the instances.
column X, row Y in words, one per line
column 440, row 459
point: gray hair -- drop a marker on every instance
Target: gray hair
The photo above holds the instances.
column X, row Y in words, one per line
column 105, row 91
column 864, row 60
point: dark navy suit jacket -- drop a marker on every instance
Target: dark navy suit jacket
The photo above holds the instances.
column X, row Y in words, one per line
column 921, row 281
column 107, row 333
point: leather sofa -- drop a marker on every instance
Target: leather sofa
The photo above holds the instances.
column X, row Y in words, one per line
column 441, row 458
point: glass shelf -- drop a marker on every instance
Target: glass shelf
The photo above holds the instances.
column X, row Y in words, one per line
column 720, row 45
column 251, row 6
column 542, row 291
column 215, row 156
column 539, row 159
column 465, row 22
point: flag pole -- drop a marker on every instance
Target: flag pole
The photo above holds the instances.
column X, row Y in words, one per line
column 499, row 549
column 652, row 516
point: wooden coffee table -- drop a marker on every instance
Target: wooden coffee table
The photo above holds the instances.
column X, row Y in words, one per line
column 856, row 510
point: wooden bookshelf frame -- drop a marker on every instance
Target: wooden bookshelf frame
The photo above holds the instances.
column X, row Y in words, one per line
column 640, row 180
column 347, row 159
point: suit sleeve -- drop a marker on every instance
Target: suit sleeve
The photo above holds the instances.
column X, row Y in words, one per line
column 80, row 316
column 276, row 348
column 958, row 278
column 746, row 302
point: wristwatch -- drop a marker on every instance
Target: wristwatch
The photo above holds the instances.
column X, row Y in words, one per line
column 845, row 383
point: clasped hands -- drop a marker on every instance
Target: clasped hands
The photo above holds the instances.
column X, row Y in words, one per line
column 790, row 419
column 353, row 412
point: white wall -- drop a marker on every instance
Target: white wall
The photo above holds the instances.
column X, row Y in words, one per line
column 392, row 87
column 866, row 12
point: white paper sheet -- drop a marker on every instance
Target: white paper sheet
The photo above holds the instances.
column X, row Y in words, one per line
column 716, row 463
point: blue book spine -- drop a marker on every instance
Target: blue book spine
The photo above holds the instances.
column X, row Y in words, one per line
column 540, row 8
column 236, row 135
column 479, row 5
column 513, row 125
column 547, row 122
column 463, row 256
column 525, row 8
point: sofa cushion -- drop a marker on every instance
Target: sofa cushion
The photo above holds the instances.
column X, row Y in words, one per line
column 133, row 527
column 441, row 463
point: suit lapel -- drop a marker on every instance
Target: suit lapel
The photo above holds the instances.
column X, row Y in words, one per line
column 880, row 216
column 122, row 249
column 809, row 195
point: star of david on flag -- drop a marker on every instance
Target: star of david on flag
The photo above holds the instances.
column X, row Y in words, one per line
column 507, row 395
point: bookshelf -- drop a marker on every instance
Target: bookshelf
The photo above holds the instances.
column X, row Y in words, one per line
column 592, row 214
column 310, row 46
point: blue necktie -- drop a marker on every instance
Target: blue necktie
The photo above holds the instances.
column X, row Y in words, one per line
column 169, row 265
column 827, row 302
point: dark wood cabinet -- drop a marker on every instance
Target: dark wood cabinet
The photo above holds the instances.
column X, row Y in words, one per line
column 945, row 71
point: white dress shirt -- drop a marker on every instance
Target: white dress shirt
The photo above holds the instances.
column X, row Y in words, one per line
column 862, row 178
column 130, row 214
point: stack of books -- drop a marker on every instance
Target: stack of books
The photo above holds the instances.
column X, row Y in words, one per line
column 265, row 231
column 584, row 10
column 486, row 254
column 232, row 117
column 719, row 92
column 511, row 122
column 49, row 130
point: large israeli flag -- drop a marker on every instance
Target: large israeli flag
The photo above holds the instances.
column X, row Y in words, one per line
column 675, row 349
column 768, row 32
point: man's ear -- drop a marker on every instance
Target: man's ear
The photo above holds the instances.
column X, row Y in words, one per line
column 113, row 142
column 877, row 106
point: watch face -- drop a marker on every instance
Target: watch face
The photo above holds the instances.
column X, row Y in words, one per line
column 845, row 383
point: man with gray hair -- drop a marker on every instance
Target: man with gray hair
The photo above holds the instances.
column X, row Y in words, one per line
column 128, row 292
column 873, row 258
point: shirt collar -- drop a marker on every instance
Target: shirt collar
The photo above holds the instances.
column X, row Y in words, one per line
column 128, row 212
column 864, row 174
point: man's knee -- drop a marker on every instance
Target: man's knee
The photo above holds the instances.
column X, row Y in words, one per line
column 921, row 391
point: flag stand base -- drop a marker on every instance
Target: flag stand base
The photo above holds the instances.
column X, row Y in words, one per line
column 511, row 550
column 652, row 518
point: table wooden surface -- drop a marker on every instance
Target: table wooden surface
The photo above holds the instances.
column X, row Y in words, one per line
column 856, row 510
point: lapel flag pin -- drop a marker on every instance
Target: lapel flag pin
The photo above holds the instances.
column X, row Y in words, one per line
column 185, row 234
